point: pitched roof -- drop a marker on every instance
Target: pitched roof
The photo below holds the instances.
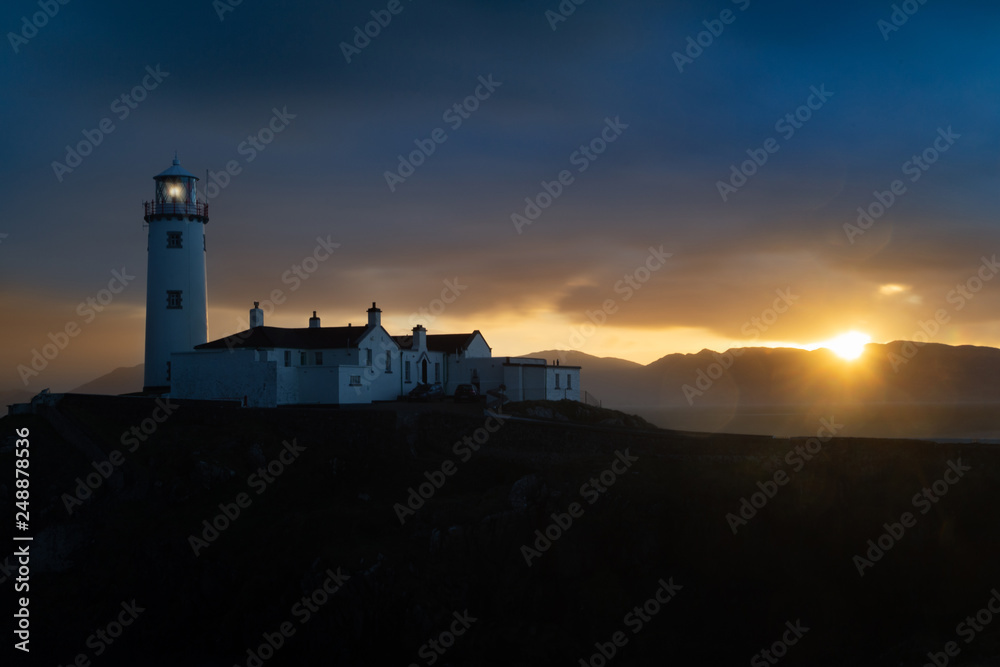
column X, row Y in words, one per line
column 317, row 338
column 440, row 342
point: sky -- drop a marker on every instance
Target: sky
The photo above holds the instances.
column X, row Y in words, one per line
column 627, row 179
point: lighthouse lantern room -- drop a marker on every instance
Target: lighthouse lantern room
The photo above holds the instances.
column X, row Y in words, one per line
column 176, row 285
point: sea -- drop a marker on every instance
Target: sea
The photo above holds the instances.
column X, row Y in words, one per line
column 925, row 421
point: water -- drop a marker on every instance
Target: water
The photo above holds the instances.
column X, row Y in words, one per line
column 886, row 420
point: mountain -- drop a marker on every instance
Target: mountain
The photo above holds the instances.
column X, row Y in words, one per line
column 896, row 372
column 680, row 390
column 123, row 380
column 603, row 377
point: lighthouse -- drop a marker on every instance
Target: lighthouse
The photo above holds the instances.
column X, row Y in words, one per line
column 176, row 285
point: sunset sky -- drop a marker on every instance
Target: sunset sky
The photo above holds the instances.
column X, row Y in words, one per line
column 660, row 132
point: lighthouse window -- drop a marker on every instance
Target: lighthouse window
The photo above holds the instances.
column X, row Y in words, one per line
column 174, row 240
column 174, row 299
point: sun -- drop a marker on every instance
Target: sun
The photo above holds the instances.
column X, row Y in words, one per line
column 848, row 346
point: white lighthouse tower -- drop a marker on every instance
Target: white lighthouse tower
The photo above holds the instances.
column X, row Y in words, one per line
column 176, row 285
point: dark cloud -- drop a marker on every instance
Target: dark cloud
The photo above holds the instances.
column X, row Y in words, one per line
column 656, row 184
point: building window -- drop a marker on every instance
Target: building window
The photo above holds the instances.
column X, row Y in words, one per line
column 319, row 358
column 369, row 357
column 204, row 244
column 355, row 380
column 557, row 380
column 569, row 381
column 174, row 299
column 388, row 362
column 437, row 371
column 406, row 371
column 288, row 358
column 168, row 370
column 302, row 359
column 174, row 240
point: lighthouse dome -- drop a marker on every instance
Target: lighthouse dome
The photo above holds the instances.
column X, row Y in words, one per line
column 175, row 170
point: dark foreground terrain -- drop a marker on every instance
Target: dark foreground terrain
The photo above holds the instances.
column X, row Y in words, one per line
column 333, row 560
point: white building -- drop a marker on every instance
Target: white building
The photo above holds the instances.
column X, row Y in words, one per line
column 176, row 287
column 270, row 366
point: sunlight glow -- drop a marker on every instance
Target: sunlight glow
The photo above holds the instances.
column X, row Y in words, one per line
column 847, row 346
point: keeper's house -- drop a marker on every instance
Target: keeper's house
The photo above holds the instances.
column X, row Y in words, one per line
column 270, row 366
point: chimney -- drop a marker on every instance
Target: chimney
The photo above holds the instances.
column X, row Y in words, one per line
column 419, row 338
column 374, row 316
column 314, row 321
column 256, row 316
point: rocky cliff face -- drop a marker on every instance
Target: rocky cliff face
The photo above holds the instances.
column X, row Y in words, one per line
column 361, row 537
